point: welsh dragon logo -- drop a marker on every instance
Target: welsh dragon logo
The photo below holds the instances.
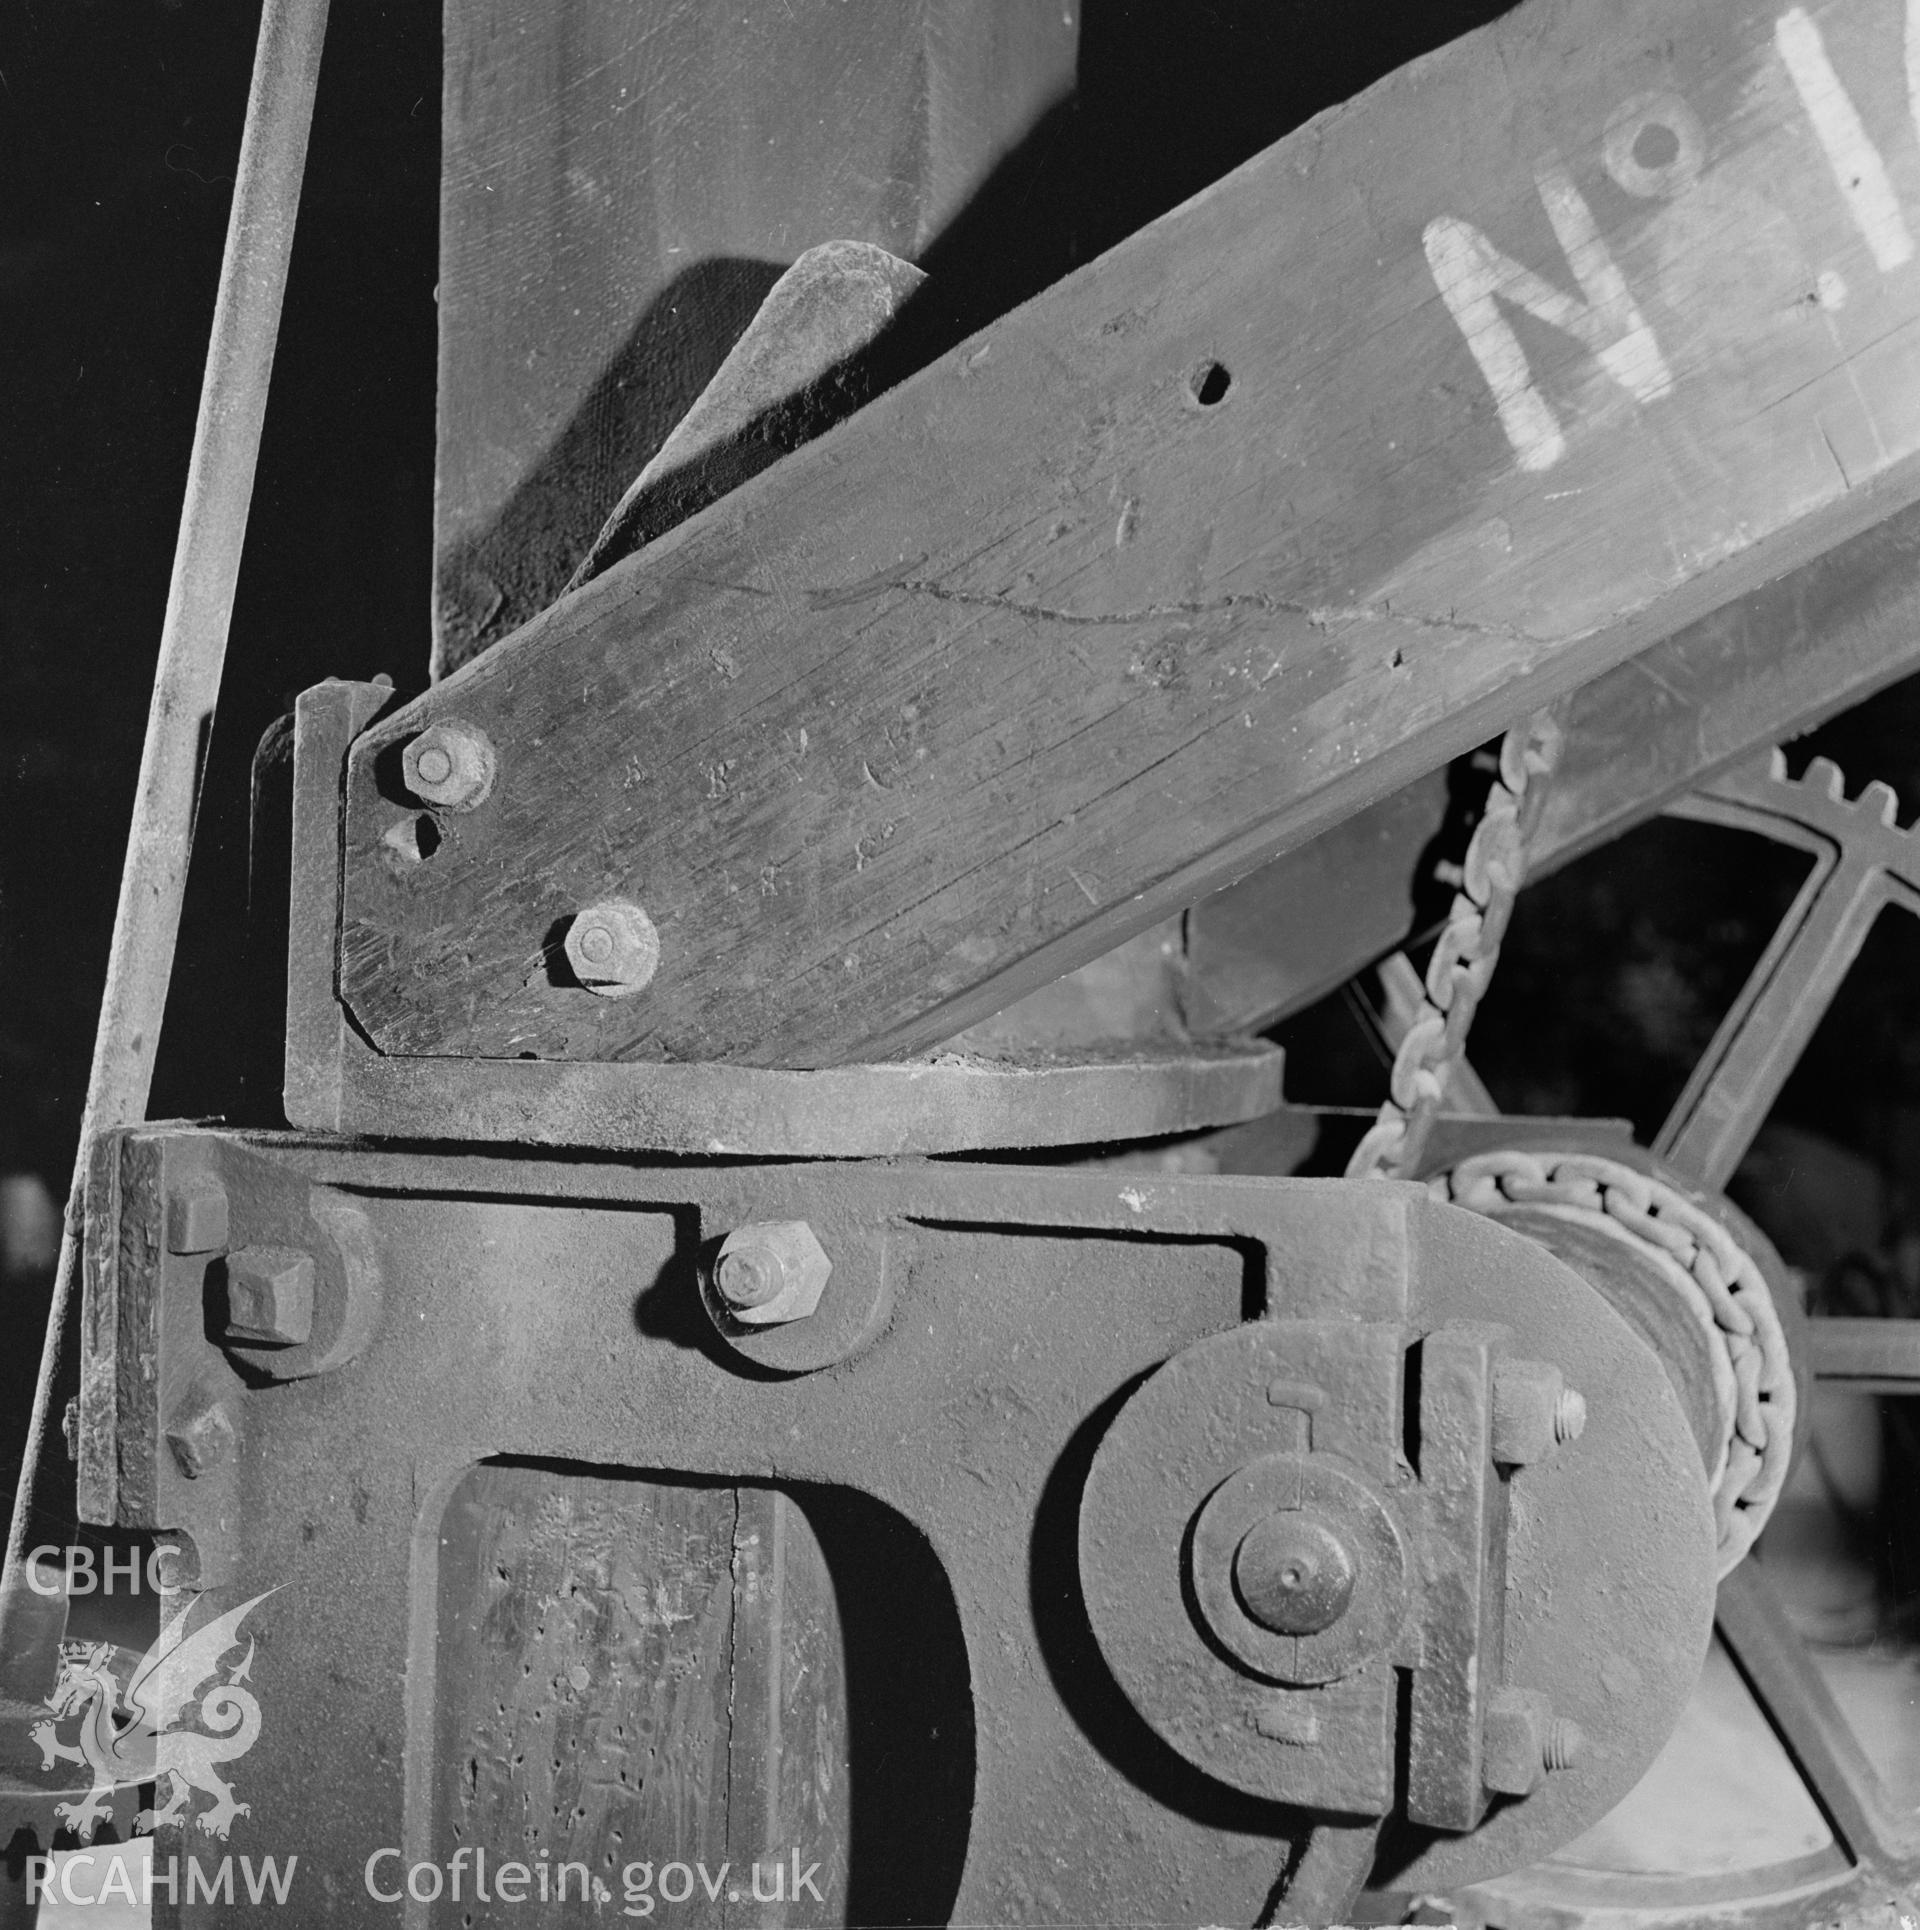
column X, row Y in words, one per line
column 137, row 1730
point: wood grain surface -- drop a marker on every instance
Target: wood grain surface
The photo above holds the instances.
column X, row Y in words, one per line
column 1759, row 670
column 632, row 1674
column 1447, row 403
column 622, row 185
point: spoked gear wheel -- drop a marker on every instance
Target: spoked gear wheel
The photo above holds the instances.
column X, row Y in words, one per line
column 1862, row 863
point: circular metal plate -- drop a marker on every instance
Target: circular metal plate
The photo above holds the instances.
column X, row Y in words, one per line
column 1610, row 1561
column 1319, row 1488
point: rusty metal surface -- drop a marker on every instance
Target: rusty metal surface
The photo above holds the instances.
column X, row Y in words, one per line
column 950, row 1102
column 549, row 1312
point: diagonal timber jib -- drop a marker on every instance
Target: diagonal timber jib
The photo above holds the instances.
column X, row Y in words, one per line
column 1455, row 398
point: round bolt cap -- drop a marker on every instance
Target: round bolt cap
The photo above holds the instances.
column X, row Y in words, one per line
column 613, row 948
column 1293, row 1574
column 749, row 1276
column 451, row 765
column 771, row 1272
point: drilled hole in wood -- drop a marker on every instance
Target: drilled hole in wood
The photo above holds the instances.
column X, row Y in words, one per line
column 1210, row 383
column 413, row 839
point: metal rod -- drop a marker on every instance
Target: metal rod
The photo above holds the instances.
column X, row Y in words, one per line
column 1871, row 1356
column 193, row 637
column 1793, row 1695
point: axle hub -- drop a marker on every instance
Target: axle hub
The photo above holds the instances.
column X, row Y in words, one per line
column 1342, row 1562
column 1293, row 1574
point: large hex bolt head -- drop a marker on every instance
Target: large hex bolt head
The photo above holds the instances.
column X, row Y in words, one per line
column 1534, row 1412
column 270, row 1296
column 450, row 765
column 1293, row 1573
column 1522, row 1741
column 613, row 948
column 770, row 1273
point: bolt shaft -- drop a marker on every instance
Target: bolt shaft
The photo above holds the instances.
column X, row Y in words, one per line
column 749, row 1276
column 1564, row 1742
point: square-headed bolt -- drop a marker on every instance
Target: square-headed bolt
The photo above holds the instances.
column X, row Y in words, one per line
column 1522, row 1741
column 197, row 1216
column 270, row 1296
column 1513, row 1742
column 771, row 1272
column 200, row 1434
column 1534, row 1412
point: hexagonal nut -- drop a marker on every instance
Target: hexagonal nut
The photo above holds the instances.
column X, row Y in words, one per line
column 769, row 1273
column 1534, row 1412
column 613, row 948
column 451, row 765
column 200, row 1435
column 197, row 1217
column 1513, row 1741
column 270, row 1296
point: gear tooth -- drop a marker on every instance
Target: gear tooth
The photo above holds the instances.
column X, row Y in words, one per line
column 1777, row 765
column 1882, row 798
column 1823, row 774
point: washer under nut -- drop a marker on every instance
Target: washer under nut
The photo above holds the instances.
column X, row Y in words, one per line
column 450, row 765
column 770, row 1273
column 613, row 948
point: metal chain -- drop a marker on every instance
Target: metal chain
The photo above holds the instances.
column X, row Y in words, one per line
column 1468, row 949
column 1718, row 1283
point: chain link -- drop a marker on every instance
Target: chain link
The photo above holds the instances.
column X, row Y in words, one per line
column 1719, row 1284
column 1458, row 973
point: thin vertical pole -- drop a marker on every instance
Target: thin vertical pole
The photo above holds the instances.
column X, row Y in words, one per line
column 193, row 641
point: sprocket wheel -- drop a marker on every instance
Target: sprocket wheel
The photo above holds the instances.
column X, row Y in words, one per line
column 1862, row 862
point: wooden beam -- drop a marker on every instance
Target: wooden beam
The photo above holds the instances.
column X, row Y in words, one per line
column 1765, row 667
column 1444, row 405
column 620, row 187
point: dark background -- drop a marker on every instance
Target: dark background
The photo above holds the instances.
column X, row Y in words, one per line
column 119, row 126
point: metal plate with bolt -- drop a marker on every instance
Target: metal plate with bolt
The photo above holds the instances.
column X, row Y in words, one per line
column 450, row 764
column 1065, row 1368
column 613, row 948
column 948, row 1102
column 1291, row 1519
